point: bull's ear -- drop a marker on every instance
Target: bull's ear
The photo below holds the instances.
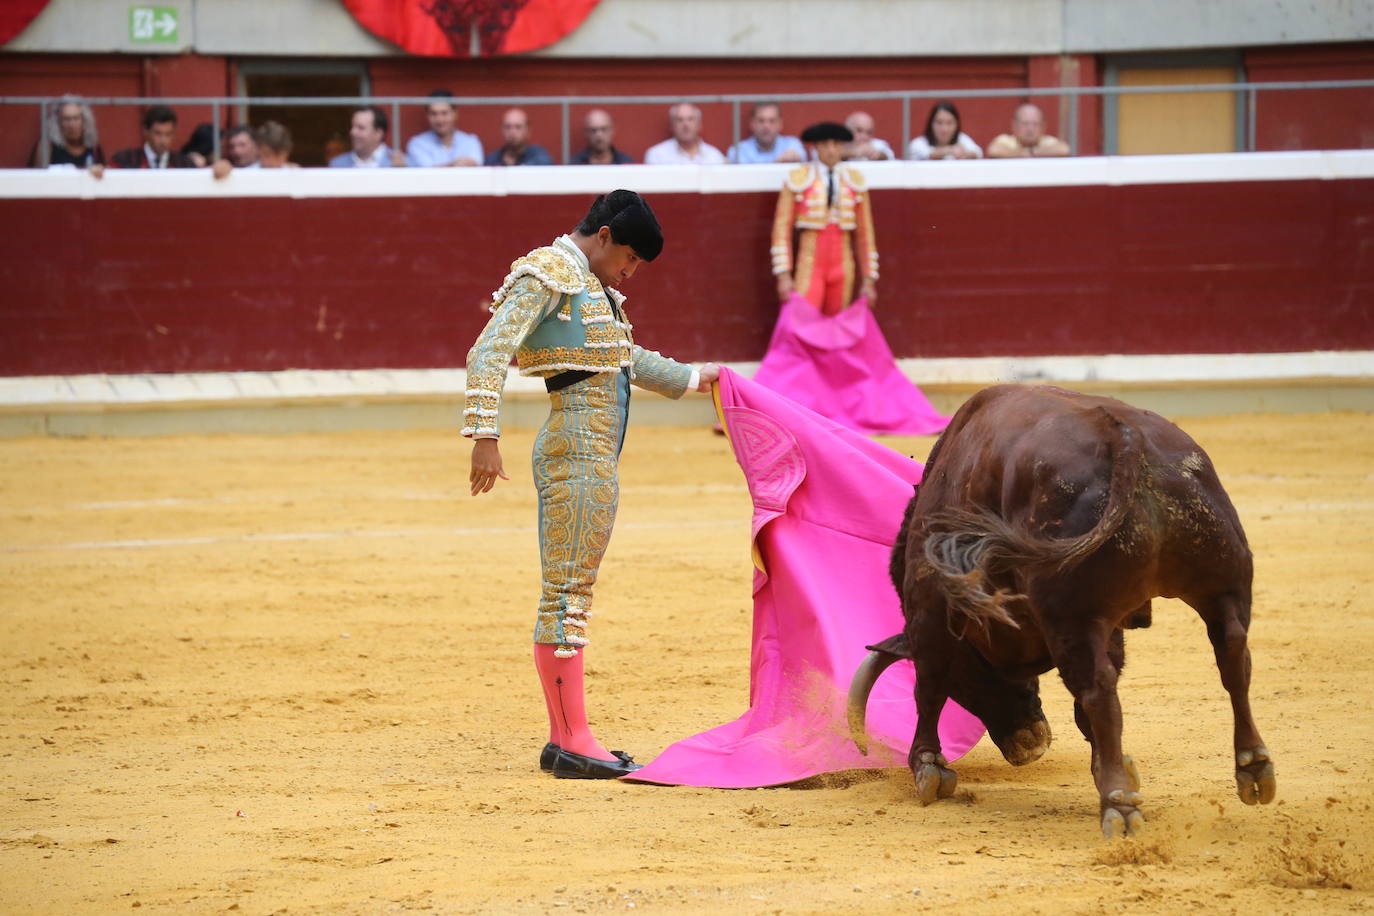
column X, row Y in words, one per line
column 897, row 645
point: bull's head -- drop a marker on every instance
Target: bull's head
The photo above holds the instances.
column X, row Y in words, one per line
column 1010, row 710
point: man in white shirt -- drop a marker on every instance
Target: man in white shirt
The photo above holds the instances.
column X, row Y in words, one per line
column 865, row 145
column 686, row 146
column 368, row 135
column 443, row 144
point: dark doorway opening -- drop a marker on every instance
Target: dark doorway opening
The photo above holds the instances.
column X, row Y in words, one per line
column 318, row 132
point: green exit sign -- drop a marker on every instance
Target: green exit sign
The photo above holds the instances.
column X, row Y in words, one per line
column 153, row 23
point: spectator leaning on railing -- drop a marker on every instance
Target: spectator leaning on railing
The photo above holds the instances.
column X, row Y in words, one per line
column 685, row 146
column 367, row 134
column 240, row 151
column 767, row 143
column 159, row 127
column 600, row 148
column 241, row 147
column 274, row 146
column 865, row 145
column 1027, row 137
column 443, row 144
column 517, row 149
column 943, row 137
column 199, row 150
column 69, row 138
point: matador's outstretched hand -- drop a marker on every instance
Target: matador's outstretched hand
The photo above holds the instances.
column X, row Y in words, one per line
column 706, row 375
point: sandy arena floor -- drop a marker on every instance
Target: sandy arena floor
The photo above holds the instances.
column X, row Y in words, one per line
column 272, row 674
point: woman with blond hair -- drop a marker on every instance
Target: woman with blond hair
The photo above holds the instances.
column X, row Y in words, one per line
column 69, row 137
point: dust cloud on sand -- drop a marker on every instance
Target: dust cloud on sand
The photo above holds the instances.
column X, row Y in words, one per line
column 272, row 674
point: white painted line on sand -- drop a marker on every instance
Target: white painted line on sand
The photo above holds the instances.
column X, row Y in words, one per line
column 141, row 543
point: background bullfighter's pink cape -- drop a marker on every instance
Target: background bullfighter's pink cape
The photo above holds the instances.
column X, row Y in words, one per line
column 827, row 506
column 841, row 367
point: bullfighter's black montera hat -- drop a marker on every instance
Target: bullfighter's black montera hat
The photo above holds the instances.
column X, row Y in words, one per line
column 827, row 130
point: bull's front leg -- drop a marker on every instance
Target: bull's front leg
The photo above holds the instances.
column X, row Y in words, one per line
column 934, row 778
column 1088, row 671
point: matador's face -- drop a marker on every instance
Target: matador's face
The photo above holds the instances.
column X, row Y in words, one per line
column 612, row 263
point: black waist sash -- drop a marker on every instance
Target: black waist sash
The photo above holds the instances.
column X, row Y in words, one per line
column 564, row 379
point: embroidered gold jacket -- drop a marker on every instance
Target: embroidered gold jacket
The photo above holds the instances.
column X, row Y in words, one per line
column 552, row 314
column 802, row 205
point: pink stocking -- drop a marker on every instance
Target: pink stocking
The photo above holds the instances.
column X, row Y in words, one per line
column 562, row 681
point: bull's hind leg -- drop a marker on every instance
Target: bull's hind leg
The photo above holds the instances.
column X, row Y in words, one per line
column 934, row 778
column 1227, row 616
column 1116, row 651
column 1083, row 657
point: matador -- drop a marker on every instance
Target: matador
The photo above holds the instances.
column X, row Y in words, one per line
column 825, row 205
column 558, row 314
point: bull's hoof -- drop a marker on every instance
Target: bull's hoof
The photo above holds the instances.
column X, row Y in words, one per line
column 934, row 778
column 1255, row 782
column 1026, row 745
column 1121, row 814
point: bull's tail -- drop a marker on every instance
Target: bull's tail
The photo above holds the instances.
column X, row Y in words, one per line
column 966, row 548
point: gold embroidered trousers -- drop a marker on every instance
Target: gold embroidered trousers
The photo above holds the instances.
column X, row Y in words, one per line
column 575, row 461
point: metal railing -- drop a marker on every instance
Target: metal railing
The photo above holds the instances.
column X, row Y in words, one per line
column 1249, row 92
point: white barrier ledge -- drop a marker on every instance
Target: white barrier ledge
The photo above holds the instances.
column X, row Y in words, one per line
column 681, row 179
column 334, row 385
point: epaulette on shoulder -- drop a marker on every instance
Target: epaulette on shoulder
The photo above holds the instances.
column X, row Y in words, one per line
column 799, row 178
column 854, row 178
column 551, row 266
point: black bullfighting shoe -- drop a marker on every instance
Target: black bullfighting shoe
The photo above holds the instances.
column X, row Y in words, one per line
column 567, row 765
column 550, row 753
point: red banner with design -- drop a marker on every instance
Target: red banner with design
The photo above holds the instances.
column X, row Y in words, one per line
column 15, row 16
column 470, row 28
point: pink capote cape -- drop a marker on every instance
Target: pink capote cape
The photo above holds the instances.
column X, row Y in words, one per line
column 841, row 367
column 827, row 506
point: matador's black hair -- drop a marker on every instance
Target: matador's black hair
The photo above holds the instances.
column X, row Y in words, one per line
column 630, row 220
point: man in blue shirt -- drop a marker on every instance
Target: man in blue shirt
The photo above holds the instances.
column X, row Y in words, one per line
column 767, row 144
column 518, row 150
column 443, row 144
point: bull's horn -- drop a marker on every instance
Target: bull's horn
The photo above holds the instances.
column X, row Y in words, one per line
column 870, row 669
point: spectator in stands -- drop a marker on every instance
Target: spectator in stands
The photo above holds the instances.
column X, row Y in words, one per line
column 600, row 148
column 767, row 143
column 241, row 147
column 69, row 138
column 944, row 137
column 865, row 145
column 686, row 145
column 159, row 127
column 443, row 144
column 200, row 149
column 517, row 149
column 240, row 151
column 1027, row 137
column 367, row 133
column 274, row 146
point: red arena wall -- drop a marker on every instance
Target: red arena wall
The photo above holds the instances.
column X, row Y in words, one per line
column 178, row 284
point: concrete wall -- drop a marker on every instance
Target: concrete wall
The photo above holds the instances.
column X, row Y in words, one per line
column 760, row 28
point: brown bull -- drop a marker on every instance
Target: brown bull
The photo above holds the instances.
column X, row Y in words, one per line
column 1046, row 522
